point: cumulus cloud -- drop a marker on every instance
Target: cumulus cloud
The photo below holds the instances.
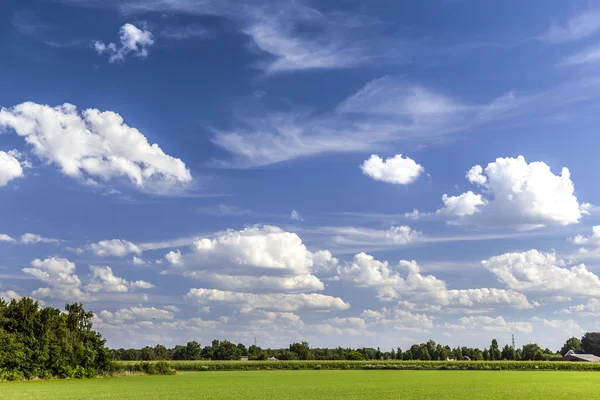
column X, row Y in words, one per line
column 138, row 261
column 366, row 271
column 592, row 308
column 397, row 170
column 31, row 238
column 95, row 145
column 59, row 274
column 6, row 238
column 490, row 324
column 28, row 238
column 133, row 41
column 398, row 318
column 458, row 206
column 103, row 280
column 592, row 240
column 9, row 295
column 136, row 313
column 541, row 272
column 251, row 259
column 516, row 194
column 114, row 248
column 298, row 283
column 10, row 168
column 275, row 302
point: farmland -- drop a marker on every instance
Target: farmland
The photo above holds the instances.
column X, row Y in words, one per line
column 207, row 365
column 304, row 384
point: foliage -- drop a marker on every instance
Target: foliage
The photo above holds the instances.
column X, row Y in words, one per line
column 571, row 344
column 45, row 342
column 373, row 365
column 590, row 343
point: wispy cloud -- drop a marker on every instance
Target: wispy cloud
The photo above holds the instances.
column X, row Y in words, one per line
column 291, row 34
column 385, row 111
column 28, row 23
column 575, row 28
column 184, row 32
column 589, row 55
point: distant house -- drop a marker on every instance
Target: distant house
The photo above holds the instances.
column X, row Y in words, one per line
column 272, row 358
column 572, row 356
column 244, row 358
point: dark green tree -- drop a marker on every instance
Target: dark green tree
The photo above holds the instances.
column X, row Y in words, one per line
column 571, row 344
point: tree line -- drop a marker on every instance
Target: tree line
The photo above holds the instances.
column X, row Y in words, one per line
column 46, row 342
column 226, row 350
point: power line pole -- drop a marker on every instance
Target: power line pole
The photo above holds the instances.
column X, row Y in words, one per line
column 513, row 341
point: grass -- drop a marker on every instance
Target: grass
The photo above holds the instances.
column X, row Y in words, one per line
column 380, row 385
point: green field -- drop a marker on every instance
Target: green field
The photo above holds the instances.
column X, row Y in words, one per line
column 380, row 385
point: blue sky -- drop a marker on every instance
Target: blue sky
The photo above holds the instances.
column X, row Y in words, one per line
column 343, row 172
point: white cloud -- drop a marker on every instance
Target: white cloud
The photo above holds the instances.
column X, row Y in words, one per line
column 103, row 280
column 114, row 247
column 298, row 283
column 276, row 302
column 575, row 28
column 95, row 145
column 295, row 216
column 59, row 274
column 569, row 327
column 366, row 271
column 5, row 238
column 397, row 169
column 490, row 324
column 541, row 272
column 10, row 167
column 467, row 203
column 592, row 308
column 136, row 313
column 592, row 240
column 266, row 256
column 133, row 41
column 398, row 318
column 10, row 295
column 517, row 194
column 30, row 238
column 138, row 261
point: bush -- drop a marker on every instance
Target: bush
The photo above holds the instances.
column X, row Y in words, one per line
column 375, row 365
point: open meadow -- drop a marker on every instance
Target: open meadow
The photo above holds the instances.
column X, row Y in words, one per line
column 381, row 385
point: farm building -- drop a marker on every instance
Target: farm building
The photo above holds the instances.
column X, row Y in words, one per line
column 572, row 356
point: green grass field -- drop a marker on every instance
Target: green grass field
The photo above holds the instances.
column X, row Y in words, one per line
column 380, row 385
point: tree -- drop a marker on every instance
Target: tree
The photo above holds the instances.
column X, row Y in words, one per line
column 399, row 354
column 243, row 349
column 161, row 352
column 425, row 354
column 508, row 353
column 590, row 343
column 486, row 354
column 147, row 353
column 302, row 350
column 531, row 351
column 571, row 344
column 393, row 354
column 193, row 350
column 495, row 353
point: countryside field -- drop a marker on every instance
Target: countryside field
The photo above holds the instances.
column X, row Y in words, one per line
column 381, row 385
